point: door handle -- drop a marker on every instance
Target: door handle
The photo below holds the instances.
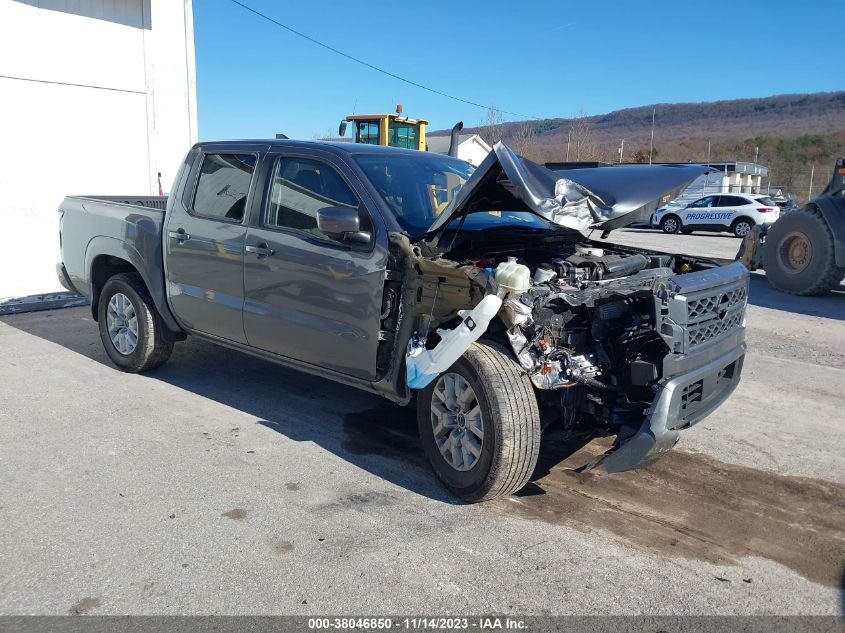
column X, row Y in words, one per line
column 261, row 251
column 179, row 235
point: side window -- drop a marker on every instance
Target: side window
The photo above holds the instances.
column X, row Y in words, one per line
column 731, row 201
column 223, row 185
column 368, row 132
column 301, row 187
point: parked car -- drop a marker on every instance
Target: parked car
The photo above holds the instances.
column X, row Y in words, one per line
column 724, row 212
column 785, row 203
column 405, row 274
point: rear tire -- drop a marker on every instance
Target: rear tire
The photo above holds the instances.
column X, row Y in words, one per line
column 670, row 224
column 500, row 421
column 130, row 326
column 799, row 256
column 742, row 227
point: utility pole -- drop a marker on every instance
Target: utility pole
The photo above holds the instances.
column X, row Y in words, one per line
column 568, row 141
column 621, row 150
column 756, row 153
column 651, row 146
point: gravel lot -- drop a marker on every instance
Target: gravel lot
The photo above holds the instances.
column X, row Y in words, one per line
column 223, row 484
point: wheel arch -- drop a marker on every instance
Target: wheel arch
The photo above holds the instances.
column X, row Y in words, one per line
column 736, row 221
column 106, row 257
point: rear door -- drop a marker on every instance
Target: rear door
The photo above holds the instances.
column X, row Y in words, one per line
column 730, row 208
column 307, row 296
column 204, row 243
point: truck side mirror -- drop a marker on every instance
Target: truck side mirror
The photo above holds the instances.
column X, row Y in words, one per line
column 342, row 224
column 341, row 131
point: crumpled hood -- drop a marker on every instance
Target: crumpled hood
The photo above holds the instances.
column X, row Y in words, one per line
column 584, row 198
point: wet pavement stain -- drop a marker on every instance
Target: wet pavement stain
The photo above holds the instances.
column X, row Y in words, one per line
column 696, row 507
column 293, row 486
column 283, row 547
column 238, row 514
column 683, row 505
column 84, row 606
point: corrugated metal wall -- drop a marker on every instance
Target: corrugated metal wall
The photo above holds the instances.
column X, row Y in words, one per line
column 98, row 96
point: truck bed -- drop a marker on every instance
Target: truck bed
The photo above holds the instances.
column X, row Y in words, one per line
column 124, row 227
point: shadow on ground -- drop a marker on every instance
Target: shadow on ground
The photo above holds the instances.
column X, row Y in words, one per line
column 831, row 306
column 646, row 229
column 364, row 429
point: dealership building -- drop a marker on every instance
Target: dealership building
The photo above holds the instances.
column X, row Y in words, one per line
column 96, row 97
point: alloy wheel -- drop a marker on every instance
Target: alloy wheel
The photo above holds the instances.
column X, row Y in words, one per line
column 122, row 324
column 457, row 421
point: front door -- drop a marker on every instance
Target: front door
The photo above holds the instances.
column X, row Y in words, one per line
column 307, row 296
column 700, row 212
column 204, row 245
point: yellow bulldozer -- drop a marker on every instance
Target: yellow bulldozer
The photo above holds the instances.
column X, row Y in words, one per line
column 393, row 130
column 803, row 252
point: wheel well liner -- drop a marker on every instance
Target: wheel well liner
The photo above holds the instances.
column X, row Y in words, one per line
column 102, row 269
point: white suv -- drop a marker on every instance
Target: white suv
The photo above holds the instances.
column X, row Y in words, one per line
column 724, row 212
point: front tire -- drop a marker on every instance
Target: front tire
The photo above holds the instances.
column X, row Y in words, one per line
column 479, row 424
column 670, row 224
column 799, row 256
column 130, row 326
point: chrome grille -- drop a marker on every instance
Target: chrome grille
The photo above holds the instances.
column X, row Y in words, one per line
column 704, row 308
column 706, row 330
column 707, row 305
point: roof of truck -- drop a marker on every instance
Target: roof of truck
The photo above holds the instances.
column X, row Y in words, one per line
column 336, row 146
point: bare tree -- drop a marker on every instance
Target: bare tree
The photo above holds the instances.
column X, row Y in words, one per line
column 522, row 139
column 582, row 139
column 492, row 128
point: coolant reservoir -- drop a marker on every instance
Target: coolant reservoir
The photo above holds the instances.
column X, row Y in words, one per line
column 513, row 276
column 590, row 252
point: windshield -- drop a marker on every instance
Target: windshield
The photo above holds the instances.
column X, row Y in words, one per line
column 416, row 188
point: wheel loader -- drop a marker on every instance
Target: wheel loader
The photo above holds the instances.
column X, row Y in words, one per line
column 803, row 253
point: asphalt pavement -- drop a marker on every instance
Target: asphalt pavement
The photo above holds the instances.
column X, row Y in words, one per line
column 223, row 484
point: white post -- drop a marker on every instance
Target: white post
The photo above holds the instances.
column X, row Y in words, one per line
column 621, row 150
column 812, row 173
column 568, row 140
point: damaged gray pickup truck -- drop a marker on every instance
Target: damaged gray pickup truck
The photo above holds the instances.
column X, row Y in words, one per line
column 414, row 276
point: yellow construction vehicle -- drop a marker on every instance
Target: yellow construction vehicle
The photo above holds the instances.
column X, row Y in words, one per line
column 393, row 130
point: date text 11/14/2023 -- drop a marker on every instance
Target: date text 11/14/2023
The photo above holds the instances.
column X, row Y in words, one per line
column 482, row 623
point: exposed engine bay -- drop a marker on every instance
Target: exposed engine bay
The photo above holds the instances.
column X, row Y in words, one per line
column 588, row 322
column 615, row 340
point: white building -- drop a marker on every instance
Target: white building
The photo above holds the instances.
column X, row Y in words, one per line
column 471, row 147
column 96, row 97
column 731, row 177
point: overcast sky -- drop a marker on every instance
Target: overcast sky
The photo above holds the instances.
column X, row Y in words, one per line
column 532, row 59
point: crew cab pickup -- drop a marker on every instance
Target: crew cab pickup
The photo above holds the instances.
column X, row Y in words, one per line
column 418, row 277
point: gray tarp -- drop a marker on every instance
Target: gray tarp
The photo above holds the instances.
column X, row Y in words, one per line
column 584, row 198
